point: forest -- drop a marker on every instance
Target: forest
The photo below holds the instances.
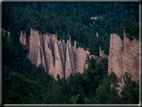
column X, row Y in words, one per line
column 74, row 19
column 24, row 83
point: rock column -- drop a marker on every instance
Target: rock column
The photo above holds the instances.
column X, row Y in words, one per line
column 33, row 51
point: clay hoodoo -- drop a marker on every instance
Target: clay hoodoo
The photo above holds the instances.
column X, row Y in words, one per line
column 124, row 56
column 23, row 37
column 48, row 56
column 56, row 56
column 41, row 57
column 63, row 59
column 80, row 58
column 64, row 47
column 62, row 54
column 58, row 63
column 68, row 67
column 115, row 55
column 131, row 57
column 71, row 55
column 33, row 51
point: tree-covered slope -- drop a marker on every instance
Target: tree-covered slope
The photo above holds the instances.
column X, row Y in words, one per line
column 24, row 83
column 71, row 19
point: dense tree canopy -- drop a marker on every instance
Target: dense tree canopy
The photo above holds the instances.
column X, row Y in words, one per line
column 131, row 28
column 72, row 19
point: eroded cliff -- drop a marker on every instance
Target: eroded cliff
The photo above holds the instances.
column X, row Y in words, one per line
column 123, row 56
column 80, row 57
column 57, row 57
column 33, row 51
column 131, row 57
column 62, row 58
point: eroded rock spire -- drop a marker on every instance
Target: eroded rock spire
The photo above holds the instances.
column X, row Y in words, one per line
column 57, row 57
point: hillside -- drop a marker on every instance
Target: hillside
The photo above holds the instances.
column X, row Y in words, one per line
column 74, row 19
column 47, row 51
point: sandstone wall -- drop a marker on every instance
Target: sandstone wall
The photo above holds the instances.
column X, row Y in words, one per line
column 123, row 56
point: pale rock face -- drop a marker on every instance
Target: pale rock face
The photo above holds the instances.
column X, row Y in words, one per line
column 80, row 58
column 41, row 57
column 48, row 56
column 63, row 59
column 100, row 51
column 124, row 56
column 33, row 51
column 41, row 40
column 56, row 56
column 131, row 57
column 68, row 67
column 62, row 55
column 71, row 55
column 58, row 63
column 47, row 40
column 24, row 40
column 97, row 34
column 23, row 37
column 53, row 38
column 64, row 47
column 115, row 55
